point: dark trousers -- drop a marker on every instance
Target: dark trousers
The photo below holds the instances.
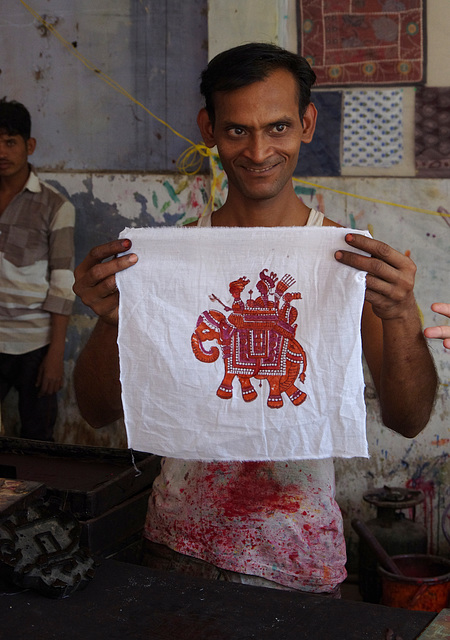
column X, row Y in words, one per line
column 37, row 415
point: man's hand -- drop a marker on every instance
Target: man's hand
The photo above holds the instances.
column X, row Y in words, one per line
column 390, row 276
column 95, row 281
column 392, row 335
column 441, row 332
column 96, row 374
column 51, row 374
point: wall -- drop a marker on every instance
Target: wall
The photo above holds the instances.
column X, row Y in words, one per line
column 150, row 50
column 394, row 461
column 108, row 201
column 106, row 204
column 91, row 86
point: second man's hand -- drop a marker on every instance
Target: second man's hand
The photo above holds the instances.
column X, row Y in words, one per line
column 440, row 332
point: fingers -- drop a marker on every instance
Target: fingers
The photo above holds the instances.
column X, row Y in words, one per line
column 103, row 251
column 93, row 269
column 47, row 384
column 383, row 261
column 390, row 274
column 50, row 376
column 441, row 307
column 95, row 281
column 441, row 333
column 435, row 333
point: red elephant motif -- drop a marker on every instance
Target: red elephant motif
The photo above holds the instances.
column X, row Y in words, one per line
column 256, row 339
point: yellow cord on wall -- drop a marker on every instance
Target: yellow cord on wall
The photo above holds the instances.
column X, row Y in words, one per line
column 385, row 202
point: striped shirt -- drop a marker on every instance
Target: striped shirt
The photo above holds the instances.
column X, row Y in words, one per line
column 36, row 265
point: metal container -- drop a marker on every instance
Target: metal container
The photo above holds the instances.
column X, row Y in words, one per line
column 106, row 490
column 425, row 585
column 397, row 534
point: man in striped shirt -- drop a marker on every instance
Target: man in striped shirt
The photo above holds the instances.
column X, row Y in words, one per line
column 36, row 277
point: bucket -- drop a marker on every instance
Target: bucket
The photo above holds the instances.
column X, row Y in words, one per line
column 424, row 585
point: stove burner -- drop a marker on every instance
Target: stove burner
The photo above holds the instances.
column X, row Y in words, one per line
column 394, row 497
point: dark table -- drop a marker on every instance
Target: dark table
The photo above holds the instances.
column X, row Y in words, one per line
column 130, row 602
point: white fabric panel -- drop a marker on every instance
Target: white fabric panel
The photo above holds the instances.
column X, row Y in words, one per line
column 170, row 401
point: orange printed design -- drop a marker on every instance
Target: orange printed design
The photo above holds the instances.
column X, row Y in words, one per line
column 256, row 339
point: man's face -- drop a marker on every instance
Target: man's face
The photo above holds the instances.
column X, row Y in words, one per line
column 258, row 133
column 14, row 152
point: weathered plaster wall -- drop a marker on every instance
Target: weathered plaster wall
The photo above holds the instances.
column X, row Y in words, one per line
column 108, row 203
column 234, row 22
column 423, row 462
column 105, row 204
column 82, row 118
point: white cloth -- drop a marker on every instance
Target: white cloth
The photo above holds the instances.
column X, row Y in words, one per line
column 169, row 396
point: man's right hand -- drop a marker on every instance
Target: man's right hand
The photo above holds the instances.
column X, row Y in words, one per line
column 95, row 281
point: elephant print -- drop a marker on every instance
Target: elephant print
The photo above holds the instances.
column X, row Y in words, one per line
column 256, row 339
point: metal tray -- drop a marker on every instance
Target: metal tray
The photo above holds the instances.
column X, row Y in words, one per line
column 88, row 480
column 114, row 529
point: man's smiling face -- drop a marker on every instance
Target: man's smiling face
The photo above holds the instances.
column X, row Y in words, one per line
column 258, row 133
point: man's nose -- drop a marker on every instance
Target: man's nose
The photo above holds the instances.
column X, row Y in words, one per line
column 258, row 148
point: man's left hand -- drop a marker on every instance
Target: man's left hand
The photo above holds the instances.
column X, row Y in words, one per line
column 390, row 275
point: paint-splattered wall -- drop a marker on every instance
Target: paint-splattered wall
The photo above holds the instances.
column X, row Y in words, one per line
column 107, row 203
column 424, row 462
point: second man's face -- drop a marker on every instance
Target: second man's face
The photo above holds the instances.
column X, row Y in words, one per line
column 14, row 152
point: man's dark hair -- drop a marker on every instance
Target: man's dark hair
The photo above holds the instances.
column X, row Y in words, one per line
column 253, row 62
column 14, row 119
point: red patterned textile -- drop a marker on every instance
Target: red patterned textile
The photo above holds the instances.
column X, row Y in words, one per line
column 360, row 42
column 432, row 132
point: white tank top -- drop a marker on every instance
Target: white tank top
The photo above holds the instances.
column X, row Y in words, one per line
column 277, row 520
column 315, row 219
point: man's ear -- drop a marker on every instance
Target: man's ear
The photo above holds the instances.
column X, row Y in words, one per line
column 309, row 123
column 31, row 146
column 206, row 128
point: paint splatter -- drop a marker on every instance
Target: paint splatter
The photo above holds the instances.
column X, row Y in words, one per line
column 440, row 442
column 171, row 192
column 304, row 191
column 256, row 489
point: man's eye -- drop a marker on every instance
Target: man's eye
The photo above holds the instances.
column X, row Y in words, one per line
column 280, row 127
column 237, row 131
